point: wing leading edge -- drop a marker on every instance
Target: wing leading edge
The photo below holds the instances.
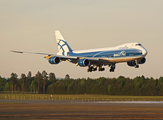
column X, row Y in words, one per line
column 47, row 56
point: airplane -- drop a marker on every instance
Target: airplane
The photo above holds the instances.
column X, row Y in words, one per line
column 132, row 53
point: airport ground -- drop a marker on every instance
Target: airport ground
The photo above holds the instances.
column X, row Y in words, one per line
column 82, row 97
column 82, row 107
column 78, row 109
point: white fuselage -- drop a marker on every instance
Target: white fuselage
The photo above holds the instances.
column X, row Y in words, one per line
column 121, row 53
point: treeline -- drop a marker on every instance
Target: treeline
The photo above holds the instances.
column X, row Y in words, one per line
column 28, row 83
column 47, row 83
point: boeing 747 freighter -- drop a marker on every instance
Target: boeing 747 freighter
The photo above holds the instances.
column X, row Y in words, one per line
column 132, row 53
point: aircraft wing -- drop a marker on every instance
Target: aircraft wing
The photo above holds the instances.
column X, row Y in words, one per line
column 45, row 54
column 42, row 54
column 61, row 56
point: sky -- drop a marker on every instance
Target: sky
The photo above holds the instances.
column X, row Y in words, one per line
column 28, row 25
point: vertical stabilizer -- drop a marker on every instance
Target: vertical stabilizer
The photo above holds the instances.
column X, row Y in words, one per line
column 63, row 46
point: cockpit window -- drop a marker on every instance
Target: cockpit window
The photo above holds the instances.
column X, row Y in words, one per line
column 137, row 44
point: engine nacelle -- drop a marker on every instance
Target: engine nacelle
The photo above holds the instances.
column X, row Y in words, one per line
column 142, row 61
column 83, row 62
column 54, row 60
column 132, row 63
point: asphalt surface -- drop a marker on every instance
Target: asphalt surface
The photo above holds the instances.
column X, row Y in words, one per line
column 81, row 110
column 79, row 102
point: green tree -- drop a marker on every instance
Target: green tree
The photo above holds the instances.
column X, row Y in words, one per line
column 13, row 80
column 70, row 88
column 7, row 87
column 52, row 77
column 34, row 86
column 29, row 76
column 38, row 78
column 17, row 86
column 23, row 78
column 44, row 75
column 67, row 76
column 109, row 89
column 2, row 83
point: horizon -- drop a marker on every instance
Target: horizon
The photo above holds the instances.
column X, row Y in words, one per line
column 89, row 77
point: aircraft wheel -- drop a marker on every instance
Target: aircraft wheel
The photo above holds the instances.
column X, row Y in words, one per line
column 95, row 69
column 99, row 68
column 112, row 68
column 102, row 69
column 137, row 66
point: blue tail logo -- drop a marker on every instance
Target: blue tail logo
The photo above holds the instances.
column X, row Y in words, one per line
column 63, row 46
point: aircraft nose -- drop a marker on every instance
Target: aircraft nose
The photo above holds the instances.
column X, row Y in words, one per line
column 144, row 52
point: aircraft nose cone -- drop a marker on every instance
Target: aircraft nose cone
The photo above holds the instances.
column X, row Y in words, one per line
column 144, row 52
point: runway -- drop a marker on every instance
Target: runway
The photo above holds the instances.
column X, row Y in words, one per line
column 131, row 102
column 80, row 102
column 81, row 110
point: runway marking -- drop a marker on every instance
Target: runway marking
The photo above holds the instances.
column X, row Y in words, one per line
column 140, row 102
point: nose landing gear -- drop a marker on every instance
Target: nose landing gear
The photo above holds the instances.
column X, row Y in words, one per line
column 136, row 64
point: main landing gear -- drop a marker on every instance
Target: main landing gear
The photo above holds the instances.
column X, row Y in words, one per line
column 91, row 68
column 112, row 68
column 100, row 68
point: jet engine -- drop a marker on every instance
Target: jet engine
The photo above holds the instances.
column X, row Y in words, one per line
column 83, row 62
column 142, row 61
column 54, row 60
column 132, row 63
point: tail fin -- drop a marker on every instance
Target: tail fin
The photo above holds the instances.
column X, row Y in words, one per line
column 63, row 46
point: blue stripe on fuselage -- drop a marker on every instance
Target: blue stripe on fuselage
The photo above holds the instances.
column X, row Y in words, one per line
column 109, row 53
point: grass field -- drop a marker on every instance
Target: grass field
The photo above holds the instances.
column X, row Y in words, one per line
column 79, row 97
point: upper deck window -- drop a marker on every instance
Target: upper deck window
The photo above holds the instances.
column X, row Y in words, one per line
column 137, row 44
